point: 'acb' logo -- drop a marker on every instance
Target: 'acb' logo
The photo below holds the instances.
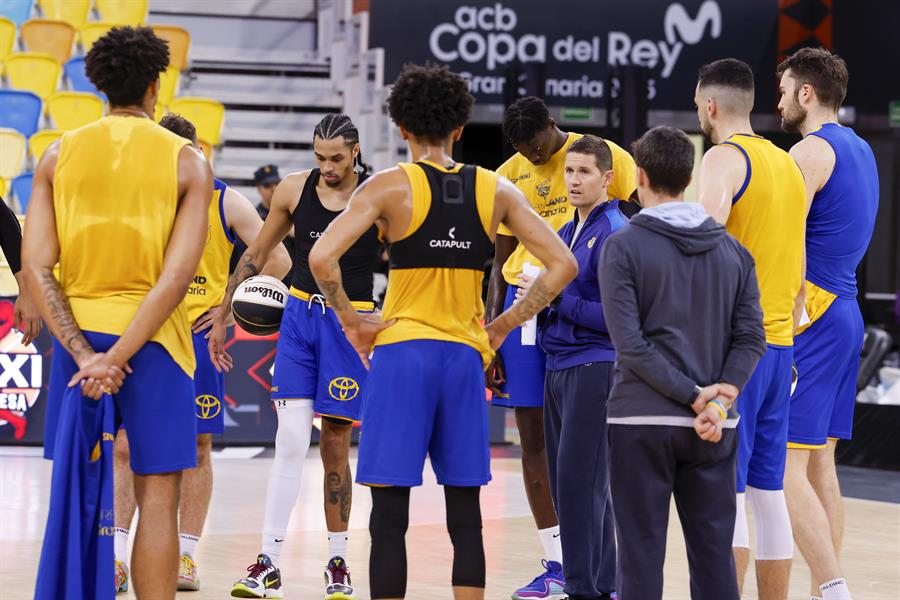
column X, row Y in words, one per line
column 208, row 407
column 343, row 389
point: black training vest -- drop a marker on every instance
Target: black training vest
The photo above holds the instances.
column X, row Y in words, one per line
column 310, row 221
column 452, row 235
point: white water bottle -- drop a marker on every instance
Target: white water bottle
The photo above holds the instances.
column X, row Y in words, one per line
column 529, row 327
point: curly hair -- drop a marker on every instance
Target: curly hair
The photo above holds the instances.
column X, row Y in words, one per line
column 524, row 119
column 430, row 101
column 125, row 62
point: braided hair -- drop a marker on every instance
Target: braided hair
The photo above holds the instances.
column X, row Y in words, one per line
column 335, row 125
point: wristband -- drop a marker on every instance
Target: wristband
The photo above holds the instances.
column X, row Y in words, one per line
column 720, row 407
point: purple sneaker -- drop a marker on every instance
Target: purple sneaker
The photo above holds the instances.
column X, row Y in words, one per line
column 546, row 586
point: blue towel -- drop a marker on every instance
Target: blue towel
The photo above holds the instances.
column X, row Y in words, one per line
column 77, row 559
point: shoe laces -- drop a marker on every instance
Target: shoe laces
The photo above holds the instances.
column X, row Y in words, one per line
column 257, row 569
column 543, row 576
column 338, row 573
column 120, row 573
column 188, row 567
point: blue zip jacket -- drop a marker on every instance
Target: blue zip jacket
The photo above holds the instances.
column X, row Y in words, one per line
column 574, row 332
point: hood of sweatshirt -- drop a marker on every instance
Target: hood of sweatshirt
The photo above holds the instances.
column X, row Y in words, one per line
column 685, row 223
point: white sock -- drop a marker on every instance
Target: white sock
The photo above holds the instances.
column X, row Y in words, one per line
column 291, row 446
column 551, row 543
column 187, row 543
column 121, row 544
column 815, row 598
column 337, row 544
column 836, row 589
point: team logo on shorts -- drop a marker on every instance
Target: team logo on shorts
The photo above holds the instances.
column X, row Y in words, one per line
column 208, row 407
column 343, row 389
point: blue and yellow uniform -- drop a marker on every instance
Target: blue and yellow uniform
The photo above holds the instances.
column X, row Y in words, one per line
column 114, row 217
column 545, row 188
column 767, row 217
column 314, row 360
column 207, row 291
column 827, row 350
column 425, row 391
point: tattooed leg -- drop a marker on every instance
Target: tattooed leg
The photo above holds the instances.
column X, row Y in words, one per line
column 334, row 446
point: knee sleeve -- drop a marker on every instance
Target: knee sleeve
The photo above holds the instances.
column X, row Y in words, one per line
column 387, row 527
column 294, row 432
column 774, row 537
column 464, row 526
column 741, row 529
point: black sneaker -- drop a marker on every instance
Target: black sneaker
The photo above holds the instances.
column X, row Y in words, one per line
column 337, row 580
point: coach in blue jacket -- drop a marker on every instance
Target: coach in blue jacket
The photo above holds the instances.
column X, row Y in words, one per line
column 580, row 360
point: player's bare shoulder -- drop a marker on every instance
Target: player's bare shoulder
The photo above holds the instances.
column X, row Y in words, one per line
column 287, row 193
column 816, row 158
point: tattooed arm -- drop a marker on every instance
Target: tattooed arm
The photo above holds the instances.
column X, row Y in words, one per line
column 276, row 226
column 511, row 209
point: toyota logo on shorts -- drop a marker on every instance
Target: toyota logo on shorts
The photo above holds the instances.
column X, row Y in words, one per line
column 343, row 389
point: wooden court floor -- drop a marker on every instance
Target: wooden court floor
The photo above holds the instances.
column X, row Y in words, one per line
column 871, row 556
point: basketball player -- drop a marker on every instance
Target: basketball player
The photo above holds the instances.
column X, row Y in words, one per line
column 316, row 369
column 231, row 216
column 756, row 190
column 842, row 201
column 425, row 392
column 25, row 314
column 516, row 374
column 128, row 239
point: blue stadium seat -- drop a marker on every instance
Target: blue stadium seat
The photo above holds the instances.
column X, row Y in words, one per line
column 20, row 110
column 17, row 11
column 21, row 187
column 78, row 81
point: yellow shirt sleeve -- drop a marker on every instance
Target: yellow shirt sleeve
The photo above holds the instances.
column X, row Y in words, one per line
column 624, row 173
column 505, row 170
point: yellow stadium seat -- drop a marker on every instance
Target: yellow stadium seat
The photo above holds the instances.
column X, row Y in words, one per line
column 73, row 12
column 127, row 12
column 40, row 141
column 207, row 150
column 33, row 71
column 206, row 114
column 3, row 187
column 7, row 37
column 51, row 37
column 71, row 110
column 93, row 31
column 179, row 44
column 12, row 153
column 159, row 112
column 168, row 85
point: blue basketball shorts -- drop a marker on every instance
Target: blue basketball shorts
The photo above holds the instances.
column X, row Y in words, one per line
column 314, row 361
column 155, row 404
column 209, row 389
column 762, row 430
column 424, row 398
column 524, row 365
column 827, row 355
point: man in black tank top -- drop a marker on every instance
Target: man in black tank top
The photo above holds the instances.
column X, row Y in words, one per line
column 316, row 369
column 427, row 370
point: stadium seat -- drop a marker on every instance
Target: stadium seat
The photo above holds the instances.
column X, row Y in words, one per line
column 207, row 150
column 40, row 141
column 168, row 85
column 93, row 31
column 127, row 12
column 73, row 12
column 33, row 71
column 71, row 110
column 3, row 187
column 17, row 11
column 179, row 44
column 77, row 78
column 21, row 189
column 7, row 37
column 12, row 153
column 159, row 112
column 51, row 37
column 206, row 114
column 20, row 111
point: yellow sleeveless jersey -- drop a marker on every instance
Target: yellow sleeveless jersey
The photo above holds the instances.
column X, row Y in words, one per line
column 545, row 188
column 768, row 217
column 439, row 303
column 208, row 288
column 115, row 195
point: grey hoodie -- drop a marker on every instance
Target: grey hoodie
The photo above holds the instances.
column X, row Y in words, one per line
column 682, row 306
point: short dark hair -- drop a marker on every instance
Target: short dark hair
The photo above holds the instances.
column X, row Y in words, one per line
column 125, row 62
column 596, row 147
column 430, row 101
column 335, row 125
column 825, row 71
column 180, row 126
column 728, row 73
column 524, row 119
column 666, row 154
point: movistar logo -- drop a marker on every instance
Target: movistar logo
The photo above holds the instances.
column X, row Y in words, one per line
column 678, row 24
column 451, row 243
